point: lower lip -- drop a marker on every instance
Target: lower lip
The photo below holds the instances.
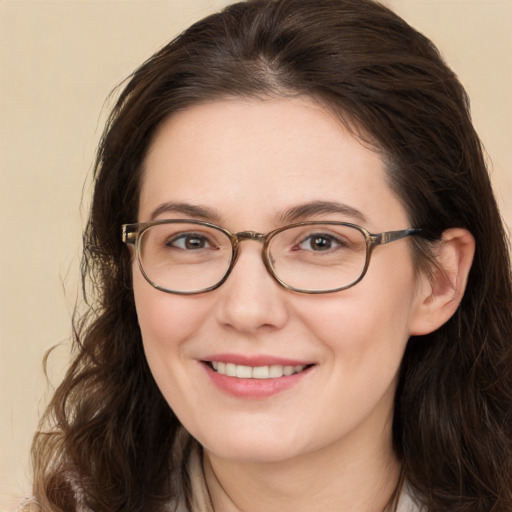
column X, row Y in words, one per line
column 255, row 389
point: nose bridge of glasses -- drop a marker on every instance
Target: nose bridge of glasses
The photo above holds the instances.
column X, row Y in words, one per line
column 250, row 235
column 255, row 237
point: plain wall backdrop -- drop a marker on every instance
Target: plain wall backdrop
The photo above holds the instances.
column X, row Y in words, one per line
column 59, row 59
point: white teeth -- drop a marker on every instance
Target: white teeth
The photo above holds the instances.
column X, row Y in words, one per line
column 260, row 372
column 275, row 370
column 255, row 372
column 243, row 372
column 288, row 370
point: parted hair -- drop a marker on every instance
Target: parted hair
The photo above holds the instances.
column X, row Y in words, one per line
column 106, row 440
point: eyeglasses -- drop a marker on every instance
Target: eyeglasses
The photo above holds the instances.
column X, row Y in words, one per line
column 192, row 256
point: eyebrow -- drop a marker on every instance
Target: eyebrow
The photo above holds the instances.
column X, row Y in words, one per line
column 190, row 210
column 290, row 215
column 308, row 210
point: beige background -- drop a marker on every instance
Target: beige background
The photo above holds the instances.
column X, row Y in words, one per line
column 58, row 61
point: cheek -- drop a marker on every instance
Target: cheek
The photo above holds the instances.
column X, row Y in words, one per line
column 367, row 324
column 164, row 317
column 166, row 322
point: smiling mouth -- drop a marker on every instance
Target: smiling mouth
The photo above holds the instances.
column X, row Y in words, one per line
column 274, row 371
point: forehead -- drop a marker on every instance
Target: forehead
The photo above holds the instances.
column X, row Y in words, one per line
column 256, row 157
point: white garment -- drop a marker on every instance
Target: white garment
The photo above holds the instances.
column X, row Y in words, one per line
column 405, row 504
column 201, row 497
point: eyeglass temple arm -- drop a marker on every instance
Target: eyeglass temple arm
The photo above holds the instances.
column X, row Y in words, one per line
column 392, row 236
column 128, row 234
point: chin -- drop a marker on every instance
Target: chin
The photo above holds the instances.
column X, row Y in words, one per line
column 261, row 446
column 254, row 453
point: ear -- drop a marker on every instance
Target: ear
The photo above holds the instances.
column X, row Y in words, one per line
column 441, row 292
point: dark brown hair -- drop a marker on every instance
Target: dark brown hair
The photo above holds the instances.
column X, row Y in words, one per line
column 110, row 431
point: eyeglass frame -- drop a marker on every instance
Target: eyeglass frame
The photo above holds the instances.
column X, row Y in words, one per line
column 131, row 234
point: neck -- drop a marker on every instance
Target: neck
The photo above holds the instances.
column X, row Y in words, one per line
column 346, row 476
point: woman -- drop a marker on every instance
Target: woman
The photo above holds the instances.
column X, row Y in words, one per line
column 302, row 285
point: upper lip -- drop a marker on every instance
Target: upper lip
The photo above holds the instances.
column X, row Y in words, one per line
column 256, row 360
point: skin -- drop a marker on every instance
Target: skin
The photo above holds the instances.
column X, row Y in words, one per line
column 247, row 162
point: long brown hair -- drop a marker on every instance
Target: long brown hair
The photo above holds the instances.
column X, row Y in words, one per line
column 108, row 432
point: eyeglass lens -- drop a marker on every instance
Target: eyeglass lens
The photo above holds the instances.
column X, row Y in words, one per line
column 186, row 257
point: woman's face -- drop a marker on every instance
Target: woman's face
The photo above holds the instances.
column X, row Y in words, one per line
column 247, row 165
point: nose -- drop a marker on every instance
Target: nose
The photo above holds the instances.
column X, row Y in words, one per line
column 251, row 300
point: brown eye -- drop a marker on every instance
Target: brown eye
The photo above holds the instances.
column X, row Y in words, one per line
column 190, row 241
column 320, row 243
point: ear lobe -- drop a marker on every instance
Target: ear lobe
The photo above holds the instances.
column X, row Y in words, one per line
column 441, row 293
